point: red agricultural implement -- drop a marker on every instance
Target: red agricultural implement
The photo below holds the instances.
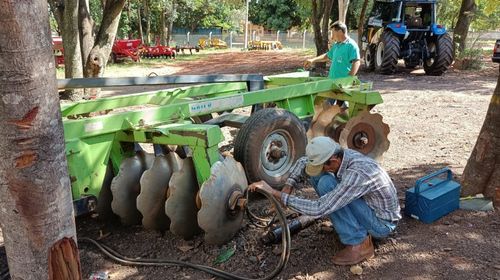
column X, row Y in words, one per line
column 57, row 46
column 122, row 49
column 125, row 48
column 159, row 51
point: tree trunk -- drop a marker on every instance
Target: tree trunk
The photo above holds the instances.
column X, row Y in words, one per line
column 171, row 23
column 163, row 37
column 86, row 29
column 361, row 23
column 321, row 10
column 343, row 5
column 141, row 36
column 467, row 10
column 130, row 34
column 57, row 8
column 36, row 213
column 99, row 55
column 72, row 49
column 148, row 21
column 482, row 172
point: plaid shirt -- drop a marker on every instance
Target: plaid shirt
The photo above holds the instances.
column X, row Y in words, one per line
column 359, row 177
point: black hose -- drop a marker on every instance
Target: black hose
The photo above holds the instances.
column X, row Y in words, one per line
column 256, row 220
column 285, row 254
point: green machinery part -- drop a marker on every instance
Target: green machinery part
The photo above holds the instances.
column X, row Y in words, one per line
column 108, row 130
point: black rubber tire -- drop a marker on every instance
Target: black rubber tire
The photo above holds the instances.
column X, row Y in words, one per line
column 370, row 57
column 249, row 143
column 390, row 53
column 443, row 56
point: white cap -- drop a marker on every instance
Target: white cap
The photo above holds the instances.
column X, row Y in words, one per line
column 318, row 151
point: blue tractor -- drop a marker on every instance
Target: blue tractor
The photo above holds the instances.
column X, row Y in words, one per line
column 406, row 29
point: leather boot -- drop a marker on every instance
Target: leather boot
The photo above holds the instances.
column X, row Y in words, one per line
column 354, row 254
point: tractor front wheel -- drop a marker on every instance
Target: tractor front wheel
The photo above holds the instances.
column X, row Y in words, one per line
column 370, row 57
column 441, row 55
column 268, row 144
column 387, row 53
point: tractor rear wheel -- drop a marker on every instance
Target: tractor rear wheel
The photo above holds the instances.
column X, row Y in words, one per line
column 387, row 53
column 441, row 50
column 268, row 144
column 370, row 57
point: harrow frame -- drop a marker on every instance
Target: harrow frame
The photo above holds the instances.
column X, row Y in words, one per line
column 166, row 117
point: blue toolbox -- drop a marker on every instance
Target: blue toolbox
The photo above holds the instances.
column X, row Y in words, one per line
column 433, row 196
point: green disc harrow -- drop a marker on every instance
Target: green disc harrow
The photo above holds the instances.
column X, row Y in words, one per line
column 183, row 183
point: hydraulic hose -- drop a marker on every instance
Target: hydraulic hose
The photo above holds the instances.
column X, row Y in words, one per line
column 285, row 253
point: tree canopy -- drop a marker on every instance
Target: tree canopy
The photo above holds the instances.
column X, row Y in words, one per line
column 278, row 14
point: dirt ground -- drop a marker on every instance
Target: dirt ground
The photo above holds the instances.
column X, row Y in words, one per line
column 434, row 123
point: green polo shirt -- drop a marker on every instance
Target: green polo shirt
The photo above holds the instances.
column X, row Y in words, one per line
column 342, row 55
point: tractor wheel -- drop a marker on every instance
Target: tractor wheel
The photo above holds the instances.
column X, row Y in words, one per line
column 441, row 50
column 268, row 144
column 387, row 53
column 370, row 57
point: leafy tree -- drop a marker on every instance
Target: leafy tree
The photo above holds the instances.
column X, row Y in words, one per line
column 481, row 15
column 320, row 15
column 277, row 14
column 447, row 12
column 204, row 14
column 87, row 43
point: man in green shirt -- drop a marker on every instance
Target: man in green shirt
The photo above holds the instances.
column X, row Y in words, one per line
column 344, row 54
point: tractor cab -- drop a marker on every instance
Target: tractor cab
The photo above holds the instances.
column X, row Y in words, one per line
column 418, row 15
column 407, row 14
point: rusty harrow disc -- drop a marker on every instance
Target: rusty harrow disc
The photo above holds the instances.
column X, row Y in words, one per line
column 326, row 122
column 154, row 186
column 222, row 201
column 125, row 187
column 366, row 133
column 181, row 205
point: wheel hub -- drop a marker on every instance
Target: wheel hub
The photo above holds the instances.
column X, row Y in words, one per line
column 366, row 133
column 380, row 54
column 222, row 201
column 432, row 52
column 275, row 153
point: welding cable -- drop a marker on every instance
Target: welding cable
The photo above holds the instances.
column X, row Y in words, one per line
column 285, row 254
column 256, row 220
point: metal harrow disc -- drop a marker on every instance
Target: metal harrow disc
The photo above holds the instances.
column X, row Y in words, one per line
column 126, row 186
column 181, row 206
column 221, row 213
column 324, row 122
column 154, row 186
column 366, row 133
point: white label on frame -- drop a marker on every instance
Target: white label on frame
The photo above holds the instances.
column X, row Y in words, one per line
column 216, row 105
column 95, row 126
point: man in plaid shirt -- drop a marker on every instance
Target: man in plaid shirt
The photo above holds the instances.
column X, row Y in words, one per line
column 354, row 191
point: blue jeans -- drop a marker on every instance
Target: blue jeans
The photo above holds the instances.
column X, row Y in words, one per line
column 354, row 221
